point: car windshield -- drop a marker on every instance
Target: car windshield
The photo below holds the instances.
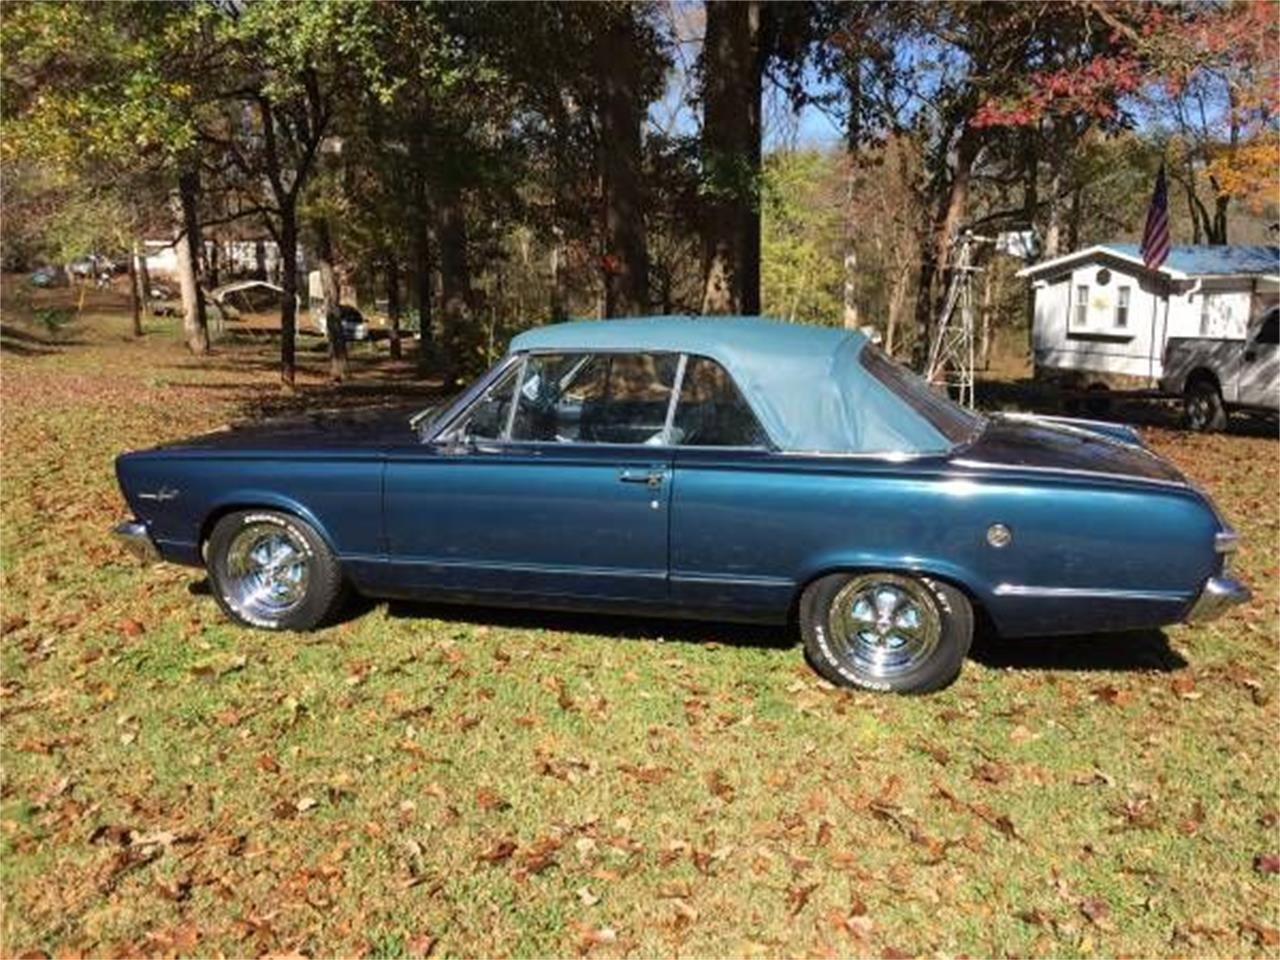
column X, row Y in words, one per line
column 950, row 419
column 422, row 420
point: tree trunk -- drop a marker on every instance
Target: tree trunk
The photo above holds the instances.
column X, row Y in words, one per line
column 456, row 296
column 288, row 294
column 393, row 305
column 984, row 342
column 731, row 87
column 195, row 326
column 896, row 302
column 338, row 367
column 135, row 297
column 557, row 305
column 1073, row 219
column 260, row 259
column 622, row 113
column 937, row 251
column 420, row 283
column 213, row 257
column 144, row 275
column 853, row 147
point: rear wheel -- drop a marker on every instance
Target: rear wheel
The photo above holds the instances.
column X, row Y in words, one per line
column 1203, row 405
column 886, row 631
column 272, row 570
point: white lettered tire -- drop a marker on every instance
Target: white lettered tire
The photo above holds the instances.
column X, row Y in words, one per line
column 886, row 631
column 271, row 570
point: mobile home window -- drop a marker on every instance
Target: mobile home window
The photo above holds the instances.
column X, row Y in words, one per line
column 1122, row 307
column 1082, row 305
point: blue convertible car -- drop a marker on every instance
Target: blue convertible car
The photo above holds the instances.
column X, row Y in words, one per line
column 738, row 469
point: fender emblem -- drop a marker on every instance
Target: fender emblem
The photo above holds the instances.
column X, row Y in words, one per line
column 164, row 493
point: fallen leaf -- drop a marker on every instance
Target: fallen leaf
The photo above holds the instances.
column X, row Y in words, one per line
column 1112, row 695
column 991, row 773
column 1095, row 909
column 1035, row 917
column 587, row 898
column 799, row 895
column 488, row 801
column 421, row 946
column 1264, row 935
column 1266, row 863
column 502, row 850
column 720, row 786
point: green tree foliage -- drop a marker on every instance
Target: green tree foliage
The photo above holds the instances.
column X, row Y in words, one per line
column 801, row 235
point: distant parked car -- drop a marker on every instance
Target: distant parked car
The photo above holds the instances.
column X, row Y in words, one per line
column 247, row 299
column 1217, row 377
column 727, row 468
column 47, row 277
column 352, row 322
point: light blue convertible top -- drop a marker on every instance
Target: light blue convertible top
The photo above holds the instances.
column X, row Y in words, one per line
column 805, row 383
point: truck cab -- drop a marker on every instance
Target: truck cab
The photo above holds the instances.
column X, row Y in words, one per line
column 1217, row 377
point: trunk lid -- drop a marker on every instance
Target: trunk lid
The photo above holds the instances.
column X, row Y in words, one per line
column 1046, row 445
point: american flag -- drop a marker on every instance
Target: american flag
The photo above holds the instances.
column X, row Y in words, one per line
column 1155, row 237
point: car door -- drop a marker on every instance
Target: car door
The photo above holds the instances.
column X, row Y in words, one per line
column 729, row 539
column 1259, row 383
column 555, row 482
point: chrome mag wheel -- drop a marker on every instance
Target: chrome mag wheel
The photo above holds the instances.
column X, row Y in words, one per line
column 885, row 625
column 268, row 567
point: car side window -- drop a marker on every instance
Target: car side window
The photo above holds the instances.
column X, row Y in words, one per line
column 595, row 398
column 487, row 419
column 1270, row 332
column 711, row 412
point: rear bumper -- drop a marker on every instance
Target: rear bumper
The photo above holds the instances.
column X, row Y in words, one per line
column 1217, row 596
column 133, row 536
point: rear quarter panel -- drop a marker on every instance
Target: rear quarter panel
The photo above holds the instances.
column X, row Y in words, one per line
column 1086, row 555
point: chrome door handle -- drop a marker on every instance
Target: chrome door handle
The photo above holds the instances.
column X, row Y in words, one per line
column 650, row 478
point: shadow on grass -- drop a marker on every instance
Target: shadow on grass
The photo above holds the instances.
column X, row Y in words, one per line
column 26, row 343
column 1133, row 651
column 1138, row 650
column 618, row 626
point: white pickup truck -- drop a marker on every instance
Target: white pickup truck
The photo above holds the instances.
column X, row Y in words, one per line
column 1219, row 377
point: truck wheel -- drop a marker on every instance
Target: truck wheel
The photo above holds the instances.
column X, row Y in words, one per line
column 885, row 631
column 1203, row 405
column 271, row 570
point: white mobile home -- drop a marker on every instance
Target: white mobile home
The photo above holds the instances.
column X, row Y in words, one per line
column 1102, row 316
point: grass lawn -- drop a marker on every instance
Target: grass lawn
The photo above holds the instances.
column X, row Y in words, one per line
column 471, row 782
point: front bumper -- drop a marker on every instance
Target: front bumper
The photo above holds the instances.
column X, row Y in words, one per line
column 133, row 536
column 1217, row 596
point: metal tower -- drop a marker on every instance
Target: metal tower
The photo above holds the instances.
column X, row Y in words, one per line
column 952, row 360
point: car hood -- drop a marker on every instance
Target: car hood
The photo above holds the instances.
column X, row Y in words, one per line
column 321, row 430
column 1045, row 445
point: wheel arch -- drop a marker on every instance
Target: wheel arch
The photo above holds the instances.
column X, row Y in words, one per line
column 1202, row 375
column 947, row 573
column 260, row 500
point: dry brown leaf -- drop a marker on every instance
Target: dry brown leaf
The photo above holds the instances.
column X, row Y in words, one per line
column 501, row 850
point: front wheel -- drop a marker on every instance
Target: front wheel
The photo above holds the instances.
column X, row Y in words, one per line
column 1204, row 408
column 885, row 631
column 272, row 570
